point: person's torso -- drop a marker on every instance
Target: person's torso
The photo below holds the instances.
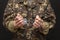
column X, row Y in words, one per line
column 28, row 9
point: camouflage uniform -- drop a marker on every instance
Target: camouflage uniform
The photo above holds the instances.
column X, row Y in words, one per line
column 29, row 9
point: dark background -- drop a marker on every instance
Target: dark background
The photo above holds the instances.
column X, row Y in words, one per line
column 54, row 34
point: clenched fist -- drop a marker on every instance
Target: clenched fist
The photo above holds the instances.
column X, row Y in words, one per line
column 18, row 22
column 38, row 22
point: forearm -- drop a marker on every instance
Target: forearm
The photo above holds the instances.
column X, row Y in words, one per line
column 45, row 27
column 49, row 21
column 10, row 26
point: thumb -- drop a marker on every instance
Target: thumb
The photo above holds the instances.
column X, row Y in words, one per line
column 37, row 16
column 18, row 15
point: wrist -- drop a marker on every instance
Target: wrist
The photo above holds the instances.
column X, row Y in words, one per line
column 11, row 26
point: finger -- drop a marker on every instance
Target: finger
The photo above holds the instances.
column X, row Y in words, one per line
column 18, row 15
column 38, row 18
column 36, row 25
column 37, row 21
column 15, row 25
column 20, row 22
column 20, row 25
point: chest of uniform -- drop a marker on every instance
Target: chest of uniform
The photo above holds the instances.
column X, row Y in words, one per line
column 27, row 8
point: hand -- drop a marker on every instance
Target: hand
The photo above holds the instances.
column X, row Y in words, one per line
column 38, row 22
column 18, row 22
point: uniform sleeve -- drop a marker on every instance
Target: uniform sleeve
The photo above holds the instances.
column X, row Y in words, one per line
column 8, row 17
column 49, row 20
column 9, row 24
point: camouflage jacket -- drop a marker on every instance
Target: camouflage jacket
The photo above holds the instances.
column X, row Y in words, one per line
column 29, row 9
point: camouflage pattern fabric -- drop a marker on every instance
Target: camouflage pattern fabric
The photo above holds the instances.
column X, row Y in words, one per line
column 29, row 9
